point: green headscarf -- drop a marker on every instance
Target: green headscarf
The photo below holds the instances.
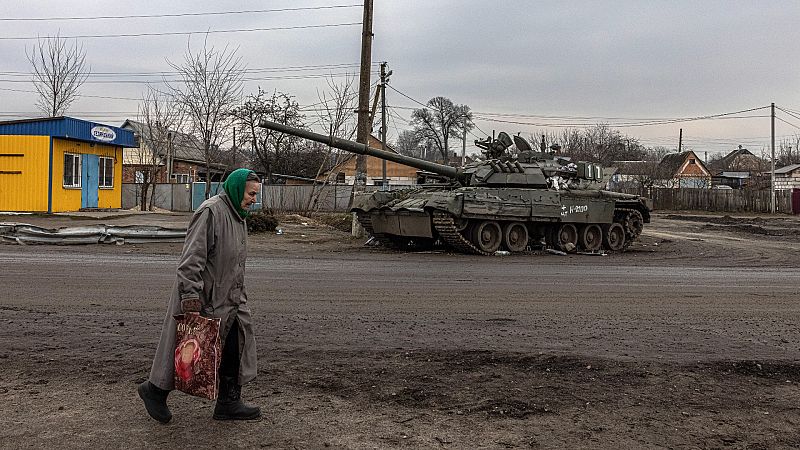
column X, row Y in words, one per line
column 234, row 186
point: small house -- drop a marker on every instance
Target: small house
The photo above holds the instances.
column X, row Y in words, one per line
column 61, row 164
column 639, row 175
column 683, row 170
column 171, row 157
column 737, row 169
column 787, row 177
column 397, row 174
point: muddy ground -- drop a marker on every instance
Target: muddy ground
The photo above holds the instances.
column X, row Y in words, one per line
column 689, row 340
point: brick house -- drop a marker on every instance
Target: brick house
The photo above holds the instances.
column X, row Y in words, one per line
column 179, row 160
column 396, row 174
column 787, row 177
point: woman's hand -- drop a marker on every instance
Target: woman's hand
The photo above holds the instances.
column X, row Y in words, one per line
column 191, row 305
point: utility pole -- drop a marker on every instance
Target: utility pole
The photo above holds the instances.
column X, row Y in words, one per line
column 384, row 80
column 680, row 140
column 464, row 144
column 169, row 156
column 363, row 127
column 772, row 184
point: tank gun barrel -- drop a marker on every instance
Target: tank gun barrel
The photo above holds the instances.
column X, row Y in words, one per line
column 362, row 149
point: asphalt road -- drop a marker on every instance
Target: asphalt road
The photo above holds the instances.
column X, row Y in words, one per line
column 444, row 301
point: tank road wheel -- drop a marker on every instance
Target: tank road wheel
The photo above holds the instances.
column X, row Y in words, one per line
column 614, row 237
column 487, row 236
column 591, row 237
column 515, row 236
column 565, row 237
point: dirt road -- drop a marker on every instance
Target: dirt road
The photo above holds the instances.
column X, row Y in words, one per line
column 690, row 340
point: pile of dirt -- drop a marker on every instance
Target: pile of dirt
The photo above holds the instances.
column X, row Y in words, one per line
column 748, row 225
column 340, row 221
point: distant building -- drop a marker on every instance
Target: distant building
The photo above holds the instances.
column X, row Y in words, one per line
column 738, row 169
column 683, row 170
column 178, row 160
column 397, row 174
column 61, row 164
column 641, row 175
column 787, row 177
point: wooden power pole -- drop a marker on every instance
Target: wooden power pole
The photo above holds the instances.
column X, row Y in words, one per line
column 384, row 80
column 772, row 146
column 364, row 125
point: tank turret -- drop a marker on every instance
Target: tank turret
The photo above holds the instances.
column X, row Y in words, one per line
column 518, row 200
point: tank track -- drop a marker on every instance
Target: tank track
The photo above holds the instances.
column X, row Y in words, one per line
column 448, row 233
column 631, row 234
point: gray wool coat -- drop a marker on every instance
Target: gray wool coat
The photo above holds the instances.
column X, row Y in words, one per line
column 211, row 269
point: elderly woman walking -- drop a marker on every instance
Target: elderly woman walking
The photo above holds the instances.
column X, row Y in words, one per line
column 210, row 280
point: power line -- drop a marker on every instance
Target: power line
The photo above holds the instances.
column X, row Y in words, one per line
column 79, row 95
column 631, row 122
column 789, row 113
column 175, row 72
column 181, row 33
column 152, row 16
column 179, row 80
column 406, row 96
column 787, row 123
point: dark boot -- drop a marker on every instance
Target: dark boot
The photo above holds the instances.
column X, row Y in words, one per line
column 155, row 401
column 229, row 403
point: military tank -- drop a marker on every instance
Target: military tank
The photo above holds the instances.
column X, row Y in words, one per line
column 511, row 200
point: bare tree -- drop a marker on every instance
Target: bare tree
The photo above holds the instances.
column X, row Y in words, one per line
column 336, row 106
column 335, row 115
column 599, row 144
column 59, row 71
column 440, row 121
column 409, row 143
column 273, row 152
column 160, row 118
column 788, row 152
column 210, row 88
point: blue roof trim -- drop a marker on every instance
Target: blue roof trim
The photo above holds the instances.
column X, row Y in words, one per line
column 70, row 128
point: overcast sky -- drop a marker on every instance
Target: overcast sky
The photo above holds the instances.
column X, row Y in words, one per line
column 521, row 66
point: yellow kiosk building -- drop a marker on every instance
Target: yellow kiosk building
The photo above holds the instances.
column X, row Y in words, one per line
column 61, row 164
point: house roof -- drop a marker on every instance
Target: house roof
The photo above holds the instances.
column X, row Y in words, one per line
column 185, row 146
column 727, row 161
column 733, row 175
column 70, row 128
column 373, row 142
column 672, row 162
column 787, row 169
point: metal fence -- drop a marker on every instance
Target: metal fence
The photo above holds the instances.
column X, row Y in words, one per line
column 329, row 198
column 173, row 197
column 187, row 197
column 718, row 200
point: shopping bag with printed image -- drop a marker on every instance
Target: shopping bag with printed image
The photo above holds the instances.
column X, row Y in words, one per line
column 197, row 355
